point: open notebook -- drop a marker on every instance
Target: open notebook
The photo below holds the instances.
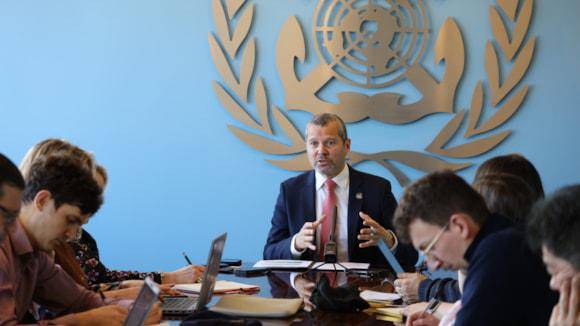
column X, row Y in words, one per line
column 220, row 287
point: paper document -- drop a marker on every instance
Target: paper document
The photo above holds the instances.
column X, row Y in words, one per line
column 220, row 287
column 305, row 264
column 369, row 295
column 321, row 266
column 283, row 264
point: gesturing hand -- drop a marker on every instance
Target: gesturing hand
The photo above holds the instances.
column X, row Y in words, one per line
column 305, row 238
column 373, row 232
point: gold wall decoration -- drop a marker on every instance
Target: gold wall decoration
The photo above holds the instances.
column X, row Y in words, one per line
column 372, row 45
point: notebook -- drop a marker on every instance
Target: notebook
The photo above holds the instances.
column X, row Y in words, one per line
column 183, row 305
column 220, row 287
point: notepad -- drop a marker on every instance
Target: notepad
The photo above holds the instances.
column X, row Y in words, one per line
column 221, row 287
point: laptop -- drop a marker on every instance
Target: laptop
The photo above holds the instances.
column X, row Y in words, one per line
column 147, row 296
column 181, row 305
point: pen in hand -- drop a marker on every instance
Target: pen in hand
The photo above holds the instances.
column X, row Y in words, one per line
column 186, row 258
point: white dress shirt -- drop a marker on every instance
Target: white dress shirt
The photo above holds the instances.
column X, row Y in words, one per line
column 341, row 191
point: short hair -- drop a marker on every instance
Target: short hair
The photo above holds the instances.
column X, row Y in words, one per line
column 555, row 223
column 434, row 198
column 99, row 169
column 517, row 165
column 68, row 181
column 53, row 146
column 506, row 194
column 9, row 174
column 326, row 118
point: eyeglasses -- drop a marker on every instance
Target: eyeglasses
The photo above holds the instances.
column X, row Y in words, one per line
column 9, row 216
column 432, row 243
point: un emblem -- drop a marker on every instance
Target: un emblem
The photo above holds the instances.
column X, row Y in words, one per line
column 372, row 45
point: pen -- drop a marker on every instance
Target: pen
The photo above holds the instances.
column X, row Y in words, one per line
column 434, row 302
column 186, row 258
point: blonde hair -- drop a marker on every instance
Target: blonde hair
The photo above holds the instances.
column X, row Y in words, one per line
column 55, row 147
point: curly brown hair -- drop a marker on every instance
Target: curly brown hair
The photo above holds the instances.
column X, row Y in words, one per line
column 68, row 181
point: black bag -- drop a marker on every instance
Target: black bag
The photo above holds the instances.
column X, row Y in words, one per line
column 341, row 299
column 207, row 317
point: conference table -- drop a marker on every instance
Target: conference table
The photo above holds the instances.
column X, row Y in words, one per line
column 277, row 284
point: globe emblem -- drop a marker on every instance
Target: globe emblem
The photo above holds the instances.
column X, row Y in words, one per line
column 370, row 43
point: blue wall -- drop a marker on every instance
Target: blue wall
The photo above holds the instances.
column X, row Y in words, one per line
column 131, row 81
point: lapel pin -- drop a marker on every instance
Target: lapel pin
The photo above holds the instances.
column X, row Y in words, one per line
column 359, row 195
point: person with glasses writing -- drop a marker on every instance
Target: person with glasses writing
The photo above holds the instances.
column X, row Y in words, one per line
column 447, row 220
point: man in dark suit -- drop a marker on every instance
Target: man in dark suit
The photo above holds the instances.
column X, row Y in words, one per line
column 364, row 205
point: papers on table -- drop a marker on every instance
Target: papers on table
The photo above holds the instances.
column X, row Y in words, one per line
column 221, row 287
column 283, row 264
column 306, row 264
column 369, row 295
column 331, row 267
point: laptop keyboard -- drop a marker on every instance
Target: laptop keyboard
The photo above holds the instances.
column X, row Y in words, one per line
column 179, row 303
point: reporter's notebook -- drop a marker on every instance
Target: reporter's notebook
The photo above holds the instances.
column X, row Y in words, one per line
column 219, row 288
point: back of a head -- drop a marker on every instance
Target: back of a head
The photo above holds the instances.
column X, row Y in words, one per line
column 67, row 179
column 51, row 147
column 555, row 223
column 506, row 194
column 517, row 165
column 9, row 174
column 434, row 198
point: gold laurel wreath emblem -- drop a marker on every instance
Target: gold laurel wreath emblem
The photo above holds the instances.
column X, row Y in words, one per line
column 505, row 97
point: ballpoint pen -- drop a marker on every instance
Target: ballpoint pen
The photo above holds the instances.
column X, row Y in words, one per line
column 186, row 258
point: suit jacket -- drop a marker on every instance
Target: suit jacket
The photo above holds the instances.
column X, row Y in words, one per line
column 296, row 206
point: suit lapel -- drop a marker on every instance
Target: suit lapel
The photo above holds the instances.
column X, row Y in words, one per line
column 355, row 201
column 309, row 198
column 309, row 201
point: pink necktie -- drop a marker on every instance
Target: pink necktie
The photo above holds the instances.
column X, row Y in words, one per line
column 327, row 209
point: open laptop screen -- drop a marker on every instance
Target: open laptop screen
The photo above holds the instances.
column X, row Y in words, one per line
column 211, row 271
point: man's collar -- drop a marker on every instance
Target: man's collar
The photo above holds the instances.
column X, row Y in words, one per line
column 340, row 179
column 494, row 223
column 20, row 241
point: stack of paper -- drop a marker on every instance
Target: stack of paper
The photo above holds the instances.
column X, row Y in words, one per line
column 369, row 295
column 394, row 315
column 221, row 287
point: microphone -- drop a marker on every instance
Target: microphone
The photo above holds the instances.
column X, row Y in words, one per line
column 330, row 249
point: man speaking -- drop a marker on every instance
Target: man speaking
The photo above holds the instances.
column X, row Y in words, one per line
column 304, row 211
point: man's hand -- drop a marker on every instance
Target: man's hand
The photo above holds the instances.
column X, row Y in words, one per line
column 131, row 283
column 407, row 285
column 186, row 274
column 567, row 311
column 128, row 293
column 305, row 238
column 422, row 319
column 304, row 288
column 373, row 233
column 106, row 315
column 154, row 316
column 413, row 308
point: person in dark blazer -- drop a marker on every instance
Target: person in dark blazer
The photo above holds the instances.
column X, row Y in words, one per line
column 364, row 205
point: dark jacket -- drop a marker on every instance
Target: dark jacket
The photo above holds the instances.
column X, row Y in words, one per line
column 506, row 282
column 296, row 206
